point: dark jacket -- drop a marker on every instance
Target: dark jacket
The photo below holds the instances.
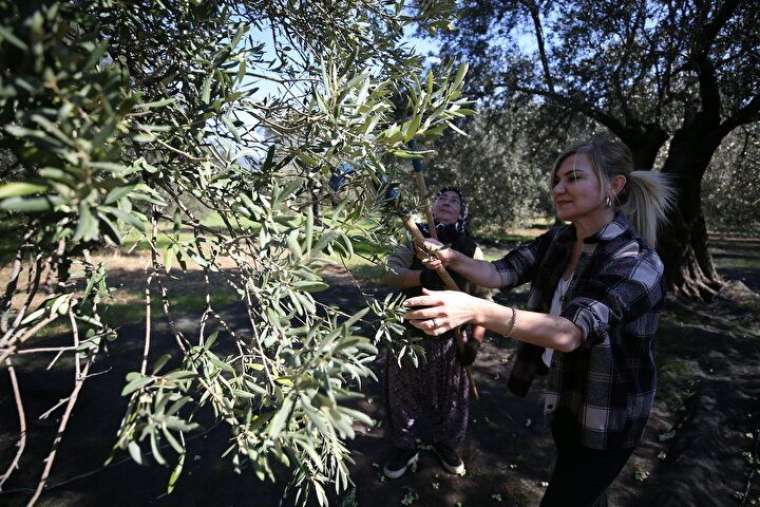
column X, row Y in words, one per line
column 602, row 392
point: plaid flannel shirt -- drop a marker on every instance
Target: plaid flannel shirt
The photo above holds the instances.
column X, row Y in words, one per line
column 602, row 392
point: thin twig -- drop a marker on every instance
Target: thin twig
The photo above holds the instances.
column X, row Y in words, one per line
column 175, row 150
column 107, row 370
column 59, row 435
column 21, row 422
column 32, row 284
column 54, row 360
column 208, row 310
column 75, row 333
column 33, row 330
column 12, row 284
column 178, row 334
column 45, row 349
column 257, row 337
column 165, row 306
column 153, row 264
column 52, row 409
column 12, row 349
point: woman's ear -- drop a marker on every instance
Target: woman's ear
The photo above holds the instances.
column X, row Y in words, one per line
column 617, row 184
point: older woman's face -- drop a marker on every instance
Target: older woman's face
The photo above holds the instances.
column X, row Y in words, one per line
column 575, row 189
column 447, row 207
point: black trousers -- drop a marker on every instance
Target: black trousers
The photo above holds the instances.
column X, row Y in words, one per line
column 582, row 475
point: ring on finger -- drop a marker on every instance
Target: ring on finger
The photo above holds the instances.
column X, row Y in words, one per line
column 435, row 325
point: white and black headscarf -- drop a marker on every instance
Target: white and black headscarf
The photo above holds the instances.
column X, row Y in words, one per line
column 461, row 225
column 446, row 232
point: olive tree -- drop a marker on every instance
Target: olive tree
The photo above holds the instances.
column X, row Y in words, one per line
column 123, row 120
column 673, row 79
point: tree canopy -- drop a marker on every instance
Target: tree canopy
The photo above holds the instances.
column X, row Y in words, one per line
column 125, row 122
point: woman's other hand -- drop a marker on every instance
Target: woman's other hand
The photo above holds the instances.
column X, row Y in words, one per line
column 436, row 312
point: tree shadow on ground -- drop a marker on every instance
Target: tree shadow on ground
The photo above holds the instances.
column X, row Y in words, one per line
column 691, row 455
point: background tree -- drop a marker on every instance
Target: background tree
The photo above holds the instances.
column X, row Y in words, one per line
column 732, row 186
column 503, row 161
column 123, row 122
column 671, row 79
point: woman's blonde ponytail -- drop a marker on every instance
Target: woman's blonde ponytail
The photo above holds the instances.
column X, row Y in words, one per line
column 649, row 195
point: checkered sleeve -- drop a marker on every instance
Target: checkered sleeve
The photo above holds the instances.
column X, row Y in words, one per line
column 520, row 264
column 627, row 288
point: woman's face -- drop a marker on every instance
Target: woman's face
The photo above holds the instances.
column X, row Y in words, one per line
column 447, row 207
column 575, row 189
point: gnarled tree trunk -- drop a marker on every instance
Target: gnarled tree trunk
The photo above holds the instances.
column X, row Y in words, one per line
column 682, row 244
column 689, row 269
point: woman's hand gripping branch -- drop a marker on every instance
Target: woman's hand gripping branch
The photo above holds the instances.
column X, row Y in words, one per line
column 441, row 311
column 435, row 254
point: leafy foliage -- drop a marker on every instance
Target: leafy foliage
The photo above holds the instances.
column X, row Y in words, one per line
column 732, row 188
column 128, row 120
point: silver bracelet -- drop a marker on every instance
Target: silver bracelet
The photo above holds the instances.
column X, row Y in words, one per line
column 512, row 320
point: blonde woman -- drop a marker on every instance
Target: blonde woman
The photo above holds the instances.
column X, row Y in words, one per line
column 597, row 288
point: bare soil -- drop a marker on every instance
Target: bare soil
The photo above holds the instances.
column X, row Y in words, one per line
column 701, row 447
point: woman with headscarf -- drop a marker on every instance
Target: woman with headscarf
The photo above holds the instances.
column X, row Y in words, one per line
column 430, row 402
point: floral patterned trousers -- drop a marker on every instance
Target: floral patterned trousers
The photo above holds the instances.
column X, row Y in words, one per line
column 429, row 403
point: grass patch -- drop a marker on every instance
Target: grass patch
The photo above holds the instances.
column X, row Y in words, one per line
column 737, row 262
column 132, row 310
column 56, row 328
column 360, row 267
column 518, row 233
column 508, row 237
column 118, row 314
column 135, row 241
column 492, row 254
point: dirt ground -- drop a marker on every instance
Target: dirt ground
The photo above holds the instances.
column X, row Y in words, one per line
column 701, row 447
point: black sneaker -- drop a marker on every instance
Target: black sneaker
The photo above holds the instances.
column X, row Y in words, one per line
column 449, row 458
column 401, row 459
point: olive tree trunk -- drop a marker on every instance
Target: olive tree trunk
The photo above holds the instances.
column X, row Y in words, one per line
column 683, row 241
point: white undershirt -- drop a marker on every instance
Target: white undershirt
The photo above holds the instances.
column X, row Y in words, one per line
column 556, row 309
